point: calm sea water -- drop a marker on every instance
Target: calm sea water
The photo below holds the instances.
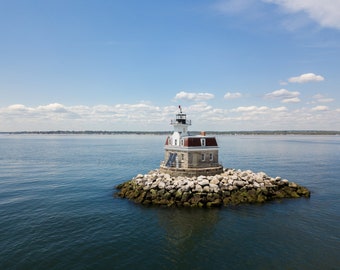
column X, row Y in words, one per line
column 57, row 210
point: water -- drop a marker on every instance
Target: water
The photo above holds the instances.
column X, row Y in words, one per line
column 57, row 209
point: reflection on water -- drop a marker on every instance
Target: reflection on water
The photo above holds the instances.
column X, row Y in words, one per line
column 57, row 211
column 186, row 234
column 184, row 225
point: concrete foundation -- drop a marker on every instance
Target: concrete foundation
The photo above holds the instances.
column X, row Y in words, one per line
column 190, row 172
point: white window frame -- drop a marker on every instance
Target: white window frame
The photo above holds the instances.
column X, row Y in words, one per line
column 203, row 157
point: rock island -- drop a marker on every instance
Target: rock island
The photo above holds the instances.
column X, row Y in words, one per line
column 191, row 175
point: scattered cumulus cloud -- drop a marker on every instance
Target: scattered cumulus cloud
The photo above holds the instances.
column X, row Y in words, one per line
column 17, row 107
column 326, row 12
column 320, row 108
column 200, row 107
column 291, row 100
column 322, row 99
column 54, row 107
column 317, row 96
column 57, row 116
column 280, row 109
column 285, row 95
column 291, row 14
column 193, row 96
column 253, row 109
column 307, row 77
column 232, row 95
column 325, row 100
column 146, row 116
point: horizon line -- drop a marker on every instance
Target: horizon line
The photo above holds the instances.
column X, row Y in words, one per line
column 231, row 132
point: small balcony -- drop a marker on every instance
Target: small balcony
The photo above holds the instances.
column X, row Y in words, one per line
column 180, row 121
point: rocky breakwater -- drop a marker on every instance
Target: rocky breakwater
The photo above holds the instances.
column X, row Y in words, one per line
column 228, row 188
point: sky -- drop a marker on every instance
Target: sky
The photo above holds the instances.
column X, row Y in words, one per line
column 128, row 64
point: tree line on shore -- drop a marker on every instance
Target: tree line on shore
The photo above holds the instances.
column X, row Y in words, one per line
column 253, row 132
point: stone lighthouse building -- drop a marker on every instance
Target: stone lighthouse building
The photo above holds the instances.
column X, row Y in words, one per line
column 187, row 155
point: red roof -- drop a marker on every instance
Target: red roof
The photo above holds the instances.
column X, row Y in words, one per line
column 197, row 141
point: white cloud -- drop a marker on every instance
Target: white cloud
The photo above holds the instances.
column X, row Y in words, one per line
column 232, row 95
column 193, row 96
column 325, row 100
column 17, row 107
column 54, row 107
column 199, row 107
column 57, row 116
column 326, row 12
column 251, row 110
column 280, row 109
column 243, row 109
column 146, row 116
column 291, row 100
column 307, row 77
column 320, row 108
column 318, row 96
column 258, row 109
column 322, row 99
column 284, row 94
column 292, row 14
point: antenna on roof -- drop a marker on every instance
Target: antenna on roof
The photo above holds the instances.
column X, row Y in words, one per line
column 180, row 108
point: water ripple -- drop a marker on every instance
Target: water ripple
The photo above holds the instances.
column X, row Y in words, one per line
column 57, row 209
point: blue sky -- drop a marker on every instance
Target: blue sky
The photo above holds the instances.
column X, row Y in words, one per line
column 127, row 65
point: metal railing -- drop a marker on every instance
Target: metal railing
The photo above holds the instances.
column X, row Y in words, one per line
column 176, row 121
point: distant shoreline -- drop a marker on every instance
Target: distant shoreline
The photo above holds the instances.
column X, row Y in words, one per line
column 254, row 132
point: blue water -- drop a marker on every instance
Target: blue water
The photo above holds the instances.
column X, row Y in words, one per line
column 57, row 210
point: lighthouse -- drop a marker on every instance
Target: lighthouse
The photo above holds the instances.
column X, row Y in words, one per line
column 189, row 155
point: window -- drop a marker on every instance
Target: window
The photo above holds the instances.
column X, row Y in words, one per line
column 182, row 156
column 203, row 157
column 175, row 142
column 202, row 142
column 211, row 157
column 182, row 142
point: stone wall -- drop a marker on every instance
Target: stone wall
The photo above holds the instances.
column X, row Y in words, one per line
column 191, row 172
column 228, row 187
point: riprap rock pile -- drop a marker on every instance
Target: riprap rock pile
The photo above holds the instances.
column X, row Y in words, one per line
column 228, row 188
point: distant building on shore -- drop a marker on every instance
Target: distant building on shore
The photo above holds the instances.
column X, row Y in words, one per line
column 188, row 155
